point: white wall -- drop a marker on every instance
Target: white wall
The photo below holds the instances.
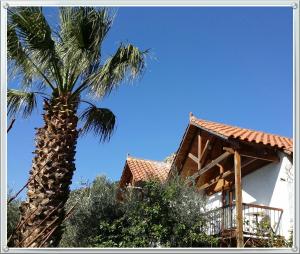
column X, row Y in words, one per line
column 269, row 186
column 272, row 186
column 214, row 201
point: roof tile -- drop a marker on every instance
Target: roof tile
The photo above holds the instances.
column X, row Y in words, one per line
column 143, row 170
column 271, row 140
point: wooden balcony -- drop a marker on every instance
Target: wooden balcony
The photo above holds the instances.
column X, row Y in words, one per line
column 258, row 221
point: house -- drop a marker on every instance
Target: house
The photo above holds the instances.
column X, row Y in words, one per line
column 137, row 171
column 246, row 175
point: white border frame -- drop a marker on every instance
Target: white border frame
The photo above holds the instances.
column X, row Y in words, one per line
column 295, row 4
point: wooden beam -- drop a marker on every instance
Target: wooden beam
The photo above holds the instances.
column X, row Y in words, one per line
column 260, row 156
column 199, row 150
column 255, row 154
column 238, row 200
column 221, row 168
column 228, row 149
column 205, row 151
column 248, row 162
column 193, row 157
column 215, row 180
column 224, row 174
column 210, row 165
column 185, row 156
column 212, row 141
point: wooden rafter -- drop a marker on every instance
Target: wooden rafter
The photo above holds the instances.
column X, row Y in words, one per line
column 193, row 157
column 186, row 156
column 221, row 168
column 265, row 157
column 201, row 153
column 257, row 154
column 211, row 165
column 224, row 174
column 205, row 151
column 215, row 180
column 212, row 141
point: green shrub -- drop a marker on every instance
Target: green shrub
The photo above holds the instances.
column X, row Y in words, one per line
column 13, row 214
column 163, row 215
column 94, row 203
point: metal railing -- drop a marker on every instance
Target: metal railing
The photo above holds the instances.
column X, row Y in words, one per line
column 257, row 220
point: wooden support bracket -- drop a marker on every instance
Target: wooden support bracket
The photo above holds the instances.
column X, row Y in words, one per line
column 193, row 157
column 211, row 165
column 205, row 151
column 224, row 174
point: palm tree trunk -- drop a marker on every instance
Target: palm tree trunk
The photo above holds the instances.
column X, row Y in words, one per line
column 52, row 171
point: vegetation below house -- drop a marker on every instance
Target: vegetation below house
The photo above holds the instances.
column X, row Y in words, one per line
column 162, row 215
column 13, row 214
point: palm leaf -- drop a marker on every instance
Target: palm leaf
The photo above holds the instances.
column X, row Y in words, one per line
column 99, row 120
column 34, row 34
column 20, row 101
column 17, row 54
column 127, row 63
column 82, row 31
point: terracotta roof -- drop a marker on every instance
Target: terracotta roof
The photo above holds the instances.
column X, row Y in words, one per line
column 143, row 170
column 227, row 131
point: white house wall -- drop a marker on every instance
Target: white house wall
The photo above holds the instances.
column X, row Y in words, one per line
column 272, row 186
column 268, row 186
column 214, row 201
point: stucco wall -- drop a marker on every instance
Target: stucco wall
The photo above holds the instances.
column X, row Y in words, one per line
column 269, row 186
column 272, row 186
column 214, row 201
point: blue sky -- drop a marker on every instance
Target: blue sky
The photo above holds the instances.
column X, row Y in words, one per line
column 229, row 65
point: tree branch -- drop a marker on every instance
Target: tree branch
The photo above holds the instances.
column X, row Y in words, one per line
column 11, row 124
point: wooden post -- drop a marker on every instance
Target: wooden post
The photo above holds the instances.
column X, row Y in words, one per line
column 238, row 200
column 199, row 151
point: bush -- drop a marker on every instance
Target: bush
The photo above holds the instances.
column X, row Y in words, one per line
column 163, row 215
column 13, row 214
column 94, row 204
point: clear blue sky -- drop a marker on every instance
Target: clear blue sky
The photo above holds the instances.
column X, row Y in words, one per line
column 229, row 65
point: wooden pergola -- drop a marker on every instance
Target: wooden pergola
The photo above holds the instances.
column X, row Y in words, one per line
column 214, row 163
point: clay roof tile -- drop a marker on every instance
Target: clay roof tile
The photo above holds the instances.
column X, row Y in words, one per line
column 248, row 135
column 143, row 170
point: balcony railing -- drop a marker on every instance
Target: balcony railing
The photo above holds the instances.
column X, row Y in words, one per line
column 257, row 220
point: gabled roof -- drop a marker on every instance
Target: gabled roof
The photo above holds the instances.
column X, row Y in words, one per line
column 228, row 131
column 144, row 170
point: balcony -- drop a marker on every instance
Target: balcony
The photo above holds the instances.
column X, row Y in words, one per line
column 258, row 220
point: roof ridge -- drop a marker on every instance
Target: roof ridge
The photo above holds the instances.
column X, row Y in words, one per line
column 234, row 126
column 142, row 159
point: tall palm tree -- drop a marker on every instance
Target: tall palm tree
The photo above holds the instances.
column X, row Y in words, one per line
column 62, row 67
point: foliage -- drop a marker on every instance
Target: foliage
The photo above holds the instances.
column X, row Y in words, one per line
column 95, row 202
column 169, row 159
column 13, row 214
column 266, row 237
column 67, row 61
column 158, row 215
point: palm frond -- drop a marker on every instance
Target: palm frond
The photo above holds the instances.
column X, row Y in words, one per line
column 16, row 53
column 20, row 101
column 34, row 33
column 99, row 120
column 127, row 63
column 82, row 32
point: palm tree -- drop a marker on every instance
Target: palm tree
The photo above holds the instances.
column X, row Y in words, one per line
column 62, row 67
